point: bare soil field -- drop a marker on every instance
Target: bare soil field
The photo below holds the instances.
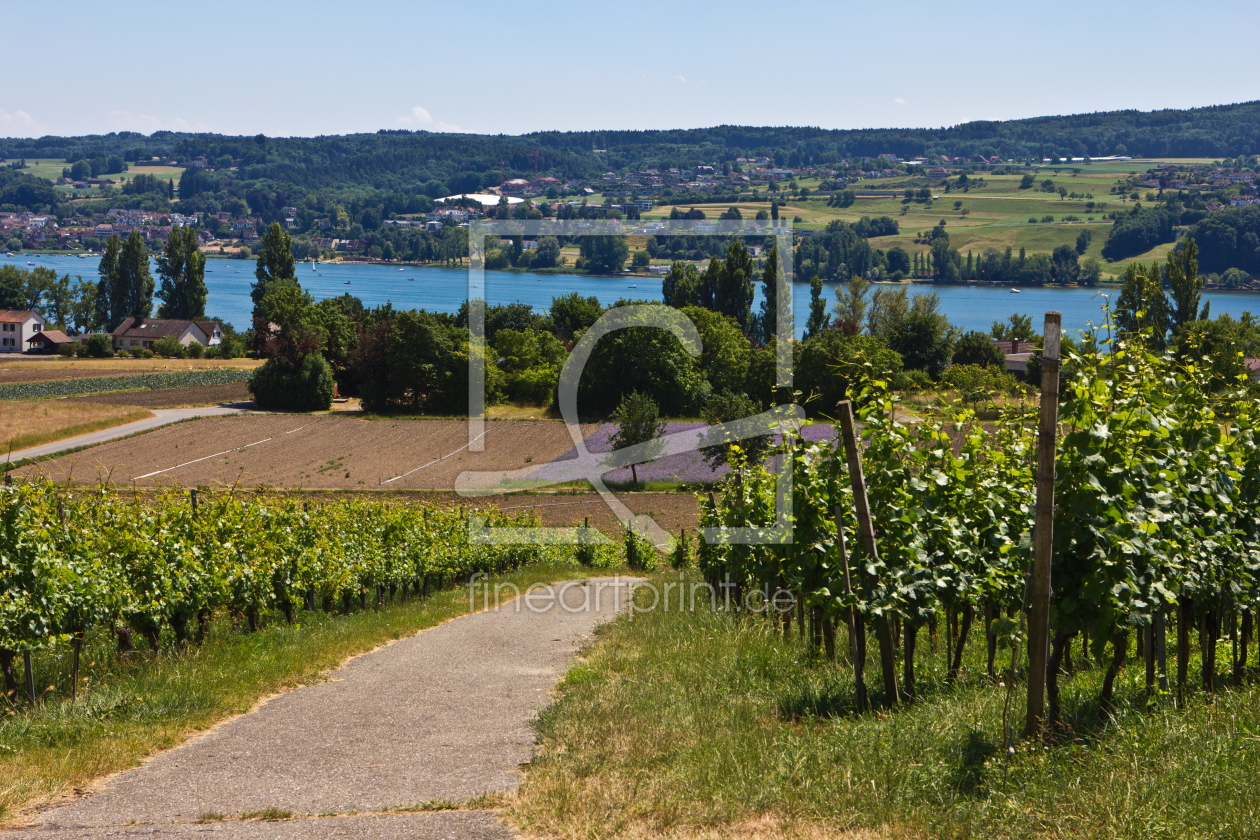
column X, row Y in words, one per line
column 312, row 452
column 328, row 458
column 172, row 397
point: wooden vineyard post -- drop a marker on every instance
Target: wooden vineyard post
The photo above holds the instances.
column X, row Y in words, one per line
column 866, row 533
column 857, row 650
column 1043, row 535
column 30, row 675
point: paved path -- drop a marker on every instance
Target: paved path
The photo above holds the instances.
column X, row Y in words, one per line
column 442, row 715
column 162, row 417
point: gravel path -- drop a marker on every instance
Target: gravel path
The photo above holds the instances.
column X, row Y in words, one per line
column 442, row 715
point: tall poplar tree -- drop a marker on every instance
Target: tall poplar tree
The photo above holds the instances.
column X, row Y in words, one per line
column 1184, row 285
column 109, row 302
column 733, row 295
column 275, row 265
column 771, row 280
column 817, row 308
column 132, row 280
column 182, row 268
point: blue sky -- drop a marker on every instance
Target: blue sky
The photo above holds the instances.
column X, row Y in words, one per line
column 290, row 68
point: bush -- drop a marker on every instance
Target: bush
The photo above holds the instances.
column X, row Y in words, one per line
column 100, row 346
column 977, row 348
column 146, row 354
column 212, row 352
column 640, row 554
column 976, row 384
column 81, row 351
column 66, row 349
column 195, row 350
column 168, row 347
column 680, row 558
column 277, row 386
column 828, row 356
column 911, row 381
column 136, row 352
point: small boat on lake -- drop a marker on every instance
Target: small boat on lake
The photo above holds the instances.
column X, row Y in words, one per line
column 1014, row 291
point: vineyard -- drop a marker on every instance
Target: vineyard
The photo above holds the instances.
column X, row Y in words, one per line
column 1157, row 492
column 156, row 571
column 140, row 382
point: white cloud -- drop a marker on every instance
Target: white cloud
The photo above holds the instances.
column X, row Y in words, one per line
column 147, row 123
column 897, row 100
column 681, row 79
column 18, row 124
column 421, row 118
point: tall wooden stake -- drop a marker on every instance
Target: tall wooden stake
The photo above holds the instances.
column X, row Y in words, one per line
column 866, row 534
column 1043, row 536
column 855, row 646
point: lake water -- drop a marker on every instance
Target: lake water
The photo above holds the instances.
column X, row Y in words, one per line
column 444, row 289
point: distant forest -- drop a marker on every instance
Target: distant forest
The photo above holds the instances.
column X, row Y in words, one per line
column 441, row 164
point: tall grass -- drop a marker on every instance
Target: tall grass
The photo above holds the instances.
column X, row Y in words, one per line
column 705, row 723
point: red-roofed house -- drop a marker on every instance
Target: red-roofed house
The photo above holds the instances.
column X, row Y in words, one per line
column 16, row 327
column 142, row 332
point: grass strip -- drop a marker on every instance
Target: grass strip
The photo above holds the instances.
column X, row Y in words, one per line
column 706, row 724
column 20, row 442
column 127, row 710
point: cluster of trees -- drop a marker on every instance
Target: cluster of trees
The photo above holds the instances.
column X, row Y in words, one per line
column 1140, row 231
column 841, row 251
column 1229, row 238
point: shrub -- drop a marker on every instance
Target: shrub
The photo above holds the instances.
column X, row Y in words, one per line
column 168, row 347
column 137, row 352
column 81, row 351
column 212, row 352
column 195, row 350
column 146, row 354
column 827, row 357
column 100, row 346
column 536, row 386
column 911, row 381
column 277, row 386
column 680, row 558
column 977, row 348
column 640, row 554
column 976, row 384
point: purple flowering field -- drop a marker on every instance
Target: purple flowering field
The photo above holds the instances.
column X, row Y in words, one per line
column 687, row 467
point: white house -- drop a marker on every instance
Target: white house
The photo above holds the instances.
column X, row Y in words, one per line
column 16, row 328
column 143, row 332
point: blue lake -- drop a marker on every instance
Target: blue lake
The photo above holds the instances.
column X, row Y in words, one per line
column 444, row 289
